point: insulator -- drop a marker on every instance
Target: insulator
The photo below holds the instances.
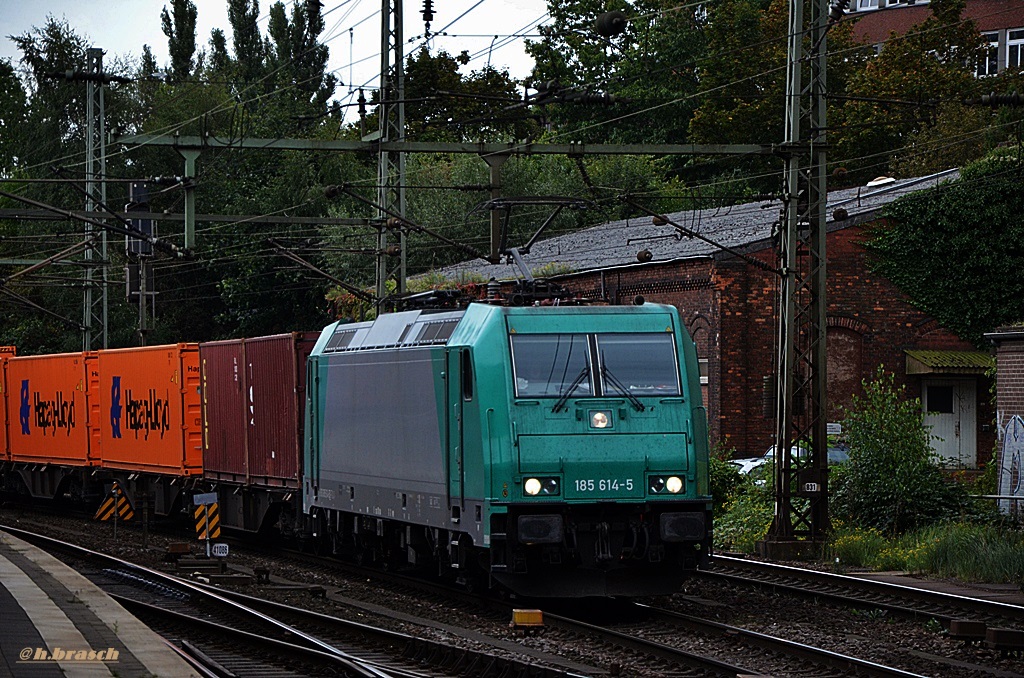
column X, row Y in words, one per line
column 593, row 98
column 394, row 223
column 610, row 24
column 659, row 220
column 493, row 288
column 392, row 250
column 993, row 99
column 837, row 10
column 331, row 192
column 644, row 256
column 362, row 103
column 428, row 10
column 840, row 214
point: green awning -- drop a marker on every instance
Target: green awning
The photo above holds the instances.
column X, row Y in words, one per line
column 949, row 362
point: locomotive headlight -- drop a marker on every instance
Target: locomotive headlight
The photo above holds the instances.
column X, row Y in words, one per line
column 600, row 419
column 663, row 484
column 542, row 486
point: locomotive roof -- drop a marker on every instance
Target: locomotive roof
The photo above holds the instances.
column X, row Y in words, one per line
column 744, row 227
column 406, row 329
column 389, row 330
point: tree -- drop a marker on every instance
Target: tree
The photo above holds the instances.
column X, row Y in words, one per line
column 13, row 112
column 650, row 71
column 444, row 105
column 891, row 481
column 297, row 57
column 248, row 45
column 955, row 250
column 179, row 25
column 893, row 98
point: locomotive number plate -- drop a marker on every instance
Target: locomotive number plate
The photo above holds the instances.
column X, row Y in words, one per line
column 604, row 485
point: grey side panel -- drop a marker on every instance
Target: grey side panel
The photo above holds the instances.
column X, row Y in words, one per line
column 381, row 452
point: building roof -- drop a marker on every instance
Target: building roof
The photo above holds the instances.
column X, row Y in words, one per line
column 948, row 362
column 1005, row 333
column 745, row 227
column 875, row 26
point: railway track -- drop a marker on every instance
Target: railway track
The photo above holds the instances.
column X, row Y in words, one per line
column 646, row 636
column 243, row 636
column 916, row 603
column 621, row 637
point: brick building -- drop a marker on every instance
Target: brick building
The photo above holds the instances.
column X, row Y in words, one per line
column 1000, row 22
column 728, row 304
column 1009, row 343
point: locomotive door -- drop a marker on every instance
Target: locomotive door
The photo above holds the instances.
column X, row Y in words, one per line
column 455, row 388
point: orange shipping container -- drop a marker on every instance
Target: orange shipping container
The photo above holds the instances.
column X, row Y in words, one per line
column 149, row 409
column 5, row 353
column 47, row 406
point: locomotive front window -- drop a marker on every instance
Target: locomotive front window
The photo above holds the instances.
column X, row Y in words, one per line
column 640, row 364
column 547, row 365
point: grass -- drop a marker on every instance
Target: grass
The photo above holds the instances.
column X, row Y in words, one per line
column 964, row 551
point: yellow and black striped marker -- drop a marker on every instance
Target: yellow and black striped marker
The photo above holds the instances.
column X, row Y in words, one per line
column 207, row 521
column 117, row 504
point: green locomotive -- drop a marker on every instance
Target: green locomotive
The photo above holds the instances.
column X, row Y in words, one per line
column 553, row 450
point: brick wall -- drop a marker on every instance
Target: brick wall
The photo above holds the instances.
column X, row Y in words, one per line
column 1010, row 379
column 729, row 306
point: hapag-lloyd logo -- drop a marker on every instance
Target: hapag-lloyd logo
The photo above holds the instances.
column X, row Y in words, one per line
column 146, row 414
column 48, row 415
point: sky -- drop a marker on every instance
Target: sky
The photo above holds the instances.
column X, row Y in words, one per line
column 121, row 27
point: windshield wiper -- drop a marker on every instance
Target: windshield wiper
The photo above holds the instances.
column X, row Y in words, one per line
column 564, row 398
column 610, row 378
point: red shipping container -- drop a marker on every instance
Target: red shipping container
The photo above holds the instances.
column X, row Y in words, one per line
column 221, row 364
column 48, row 409
column 149, row 409
column 5, row 353
column 253, row 399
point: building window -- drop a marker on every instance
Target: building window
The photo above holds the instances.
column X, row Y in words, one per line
column 988, row 60
column 703, row 366
column 1015, row 48
column 939, row 399
column 867, row 4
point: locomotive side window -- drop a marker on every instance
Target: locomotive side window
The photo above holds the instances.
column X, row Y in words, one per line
column 643, row 364
column 547, row 365
column 467, row 376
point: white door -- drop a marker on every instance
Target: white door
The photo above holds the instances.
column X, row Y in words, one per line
column 949, row 408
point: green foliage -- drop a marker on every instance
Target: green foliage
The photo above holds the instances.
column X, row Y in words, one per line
column 725, row 482
column 650, row 70
column 965, row 551
column 444, row 105
column 745, row 519
column 974, row 553
column 854, row 546
column 891, row 481
column 179, row 25
column 13, row 111
column 951, row 249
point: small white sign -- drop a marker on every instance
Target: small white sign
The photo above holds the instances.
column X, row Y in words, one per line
column 207, row 498
column 812, row 487
column 834, row 428
column 220, row 550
